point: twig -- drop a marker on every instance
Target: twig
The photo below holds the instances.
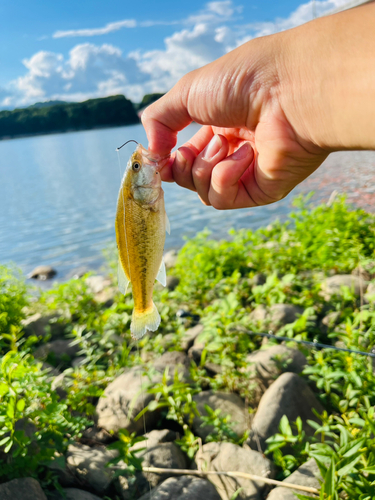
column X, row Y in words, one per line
column 243, row 475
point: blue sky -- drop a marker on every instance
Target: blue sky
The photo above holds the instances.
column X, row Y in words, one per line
column 77, row 50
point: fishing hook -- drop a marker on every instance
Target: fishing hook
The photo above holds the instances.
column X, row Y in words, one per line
column 125, row 143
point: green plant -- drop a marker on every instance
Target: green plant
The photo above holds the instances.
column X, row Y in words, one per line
column 34, row 423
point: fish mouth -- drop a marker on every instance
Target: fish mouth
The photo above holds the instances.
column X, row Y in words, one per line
column 153, row 159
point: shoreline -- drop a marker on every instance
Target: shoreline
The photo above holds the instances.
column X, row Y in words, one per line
column 64, row 131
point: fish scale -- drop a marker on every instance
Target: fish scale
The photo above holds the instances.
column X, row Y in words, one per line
column 140, row 233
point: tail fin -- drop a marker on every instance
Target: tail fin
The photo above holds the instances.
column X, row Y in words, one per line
column 143, row 321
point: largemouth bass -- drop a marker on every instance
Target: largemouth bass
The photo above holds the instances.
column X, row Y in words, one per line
column 141, row 222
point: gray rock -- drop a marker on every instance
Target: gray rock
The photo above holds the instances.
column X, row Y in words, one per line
column 283, row 314
column 195, row 352
column 122, row 400
column 93, row 435
column 97, row 283
column 170, row 258
column 258, row 279
column 183, row 488
column 102, row 289
column 41, row 326
column 65, row 477
column 231, row 457
column 258, row 315
column 229, row 404
column 365, row 270
column 22, row 489
column 267, row 364
column 154, row 438
column 370, row 293
column 174, row 360
column 275, row 316
column 127, row 395
column 330, row 320
column 77, row 362
column 89, row 466
column 306, row 475
column 58, row 349
column 74, row 494
column 163, row 455
column 289, row 395
column 332, row 286
column 42, row 273
column 190, row 335
column 172, row 282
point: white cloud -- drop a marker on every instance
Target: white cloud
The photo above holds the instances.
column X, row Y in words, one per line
column 91, row 70
column 108, row 28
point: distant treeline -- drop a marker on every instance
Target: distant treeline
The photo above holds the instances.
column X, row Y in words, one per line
column 42, row 118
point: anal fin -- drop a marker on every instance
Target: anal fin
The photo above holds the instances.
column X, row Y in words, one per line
column 123, row 281
column 167, row 224
column 162, row 275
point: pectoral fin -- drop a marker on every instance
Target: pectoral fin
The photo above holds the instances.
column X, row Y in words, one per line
column 162, row 275
column 167, row 224
column 123, row 281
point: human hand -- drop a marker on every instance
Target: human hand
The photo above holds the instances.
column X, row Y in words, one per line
column 271, row 112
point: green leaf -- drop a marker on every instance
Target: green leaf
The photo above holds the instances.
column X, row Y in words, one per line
column 21, row 403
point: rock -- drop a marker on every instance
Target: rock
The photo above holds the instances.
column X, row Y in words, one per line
column 332, row 286
column 89, row 466
column 370, row 293
column 283, row 314
column 22, row 489
column 174, row 360
column 229, row 404
column 172, row 282
column 190, row 335
column 330, row 320
column 42, row 273
column 77, row 362
column 267, row 364
column 258, row 315
column 65, row 477
column 195, row 351
column 102, row 289
column 58, row 350
column 231, row 457
column 93, row 435
column 163, row 455
column 170, row 258
column 154, row 438
column 289, row 395
column 97, row 283
column 275, row 316
column 77, row 273
column 41, row 326
column 306, row 475
column 183, row 488
column 127, row 394
column 74, row 494
column 258, row 279
column 366, row 270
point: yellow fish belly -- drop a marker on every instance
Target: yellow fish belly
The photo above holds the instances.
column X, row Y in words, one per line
column 140, row 234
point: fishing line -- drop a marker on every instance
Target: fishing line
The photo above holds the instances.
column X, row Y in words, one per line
column 317, row 345
column 137, row 341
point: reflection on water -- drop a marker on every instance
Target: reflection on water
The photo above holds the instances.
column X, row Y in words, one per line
column 58, row 197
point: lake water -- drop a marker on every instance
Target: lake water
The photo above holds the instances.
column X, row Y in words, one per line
column 58, row 197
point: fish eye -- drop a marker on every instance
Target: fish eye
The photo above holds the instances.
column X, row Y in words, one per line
column 136, row 166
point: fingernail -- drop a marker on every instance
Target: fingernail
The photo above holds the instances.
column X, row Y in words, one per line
column 180, row 157
column 242, row 152
column 212, row 148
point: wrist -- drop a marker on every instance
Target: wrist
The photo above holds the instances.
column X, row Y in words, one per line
column 327, row 80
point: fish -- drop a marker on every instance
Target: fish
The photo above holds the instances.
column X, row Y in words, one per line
column 141, row 223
